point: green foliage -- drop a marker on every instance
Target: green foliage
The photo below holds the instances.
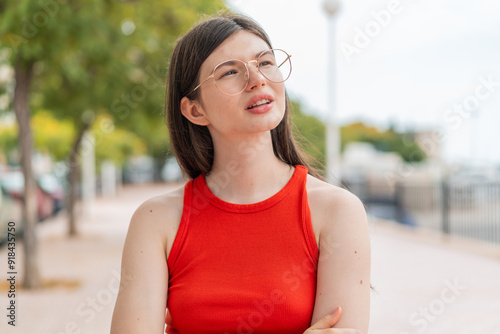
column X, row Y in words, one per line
column 158, row 24
column 8, row 142
column 51, row 135
column 54, row 137
column 387, row 141
column 310, row 133
column 105, row 57
column 359, row 131
column 115, row 144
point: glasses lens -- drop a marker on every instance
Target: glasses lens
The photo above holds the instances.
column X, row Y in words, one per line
column 275, row 65
column 231, row 77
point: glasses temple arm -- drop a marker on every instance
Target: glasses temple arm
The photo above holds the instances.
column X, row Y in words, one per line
column 208, row 78
column 284, row 61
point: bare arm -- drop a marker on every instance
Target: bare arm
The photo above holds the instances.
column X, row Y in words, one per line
column 344, row 263
column 142, row 297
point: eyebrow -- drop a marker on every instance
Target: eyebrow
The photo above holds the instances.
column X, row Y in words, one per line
column 256, row 55
column 229, row 62
column 261, row 52
column 232, row 61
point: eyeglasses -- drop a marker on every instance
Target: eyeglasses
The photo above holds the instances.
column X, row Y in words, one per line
column 231, row 77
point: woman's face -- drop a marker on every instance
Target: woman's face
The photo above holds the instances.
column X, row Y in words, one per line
column 233, row 115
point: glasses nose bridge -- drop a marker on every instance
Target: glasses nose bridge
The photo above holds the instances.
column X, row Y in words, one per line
column 256, row 61
column 253, row 61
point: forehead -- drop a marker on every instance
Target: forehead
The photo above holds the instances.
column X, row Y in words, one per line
column 241, row 45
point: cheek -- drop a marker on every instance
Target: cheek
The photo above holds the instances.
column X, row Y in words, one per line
column 281, row 101
column 282, row 104
column 217, row 105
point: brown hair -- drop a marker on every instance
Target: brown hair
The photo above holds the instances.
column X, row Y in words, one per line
column 192, row 144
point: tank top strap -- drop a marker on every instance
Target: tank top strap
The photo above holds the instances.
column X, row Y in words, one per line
column 183, row 225
column 306, row 219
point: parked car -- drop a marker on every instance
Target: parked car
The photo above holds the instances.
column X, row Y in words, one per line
column 10, row 211
column 52, row 186
column 49, row 191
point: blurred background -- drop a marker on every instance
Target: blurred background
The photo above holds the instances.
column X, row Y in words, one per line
column 398, row 100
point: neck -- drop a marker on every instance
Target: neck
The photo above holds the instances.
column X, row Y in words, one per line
column 245, row 170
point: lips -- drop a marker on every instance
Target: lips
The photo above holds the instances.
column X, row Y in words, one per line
column 259, row 101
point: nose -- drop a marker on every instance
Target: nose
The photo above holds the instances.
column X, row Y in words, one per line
column 255, row 78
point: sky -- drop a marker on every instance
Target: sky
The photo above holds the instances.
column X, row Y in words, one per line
column 417, row 64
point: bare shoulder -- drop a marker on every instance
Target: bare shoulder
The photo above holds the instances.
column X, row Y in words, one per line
column 332, row 206
column 322, row 190
column 144, row 266
column 159, row 210
column 160, row 216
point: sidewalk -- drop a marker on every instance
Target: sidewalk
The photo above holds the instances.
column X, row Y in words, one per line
column 426, row 283
column 423, row 284
column 83, row 272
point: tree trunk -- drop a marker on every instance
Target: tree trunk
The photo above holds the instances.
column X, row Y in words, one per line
column 73, row 177
column 24, row 76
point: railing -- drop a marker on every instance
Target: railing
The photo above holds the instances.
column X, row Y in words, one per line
column 467, row 209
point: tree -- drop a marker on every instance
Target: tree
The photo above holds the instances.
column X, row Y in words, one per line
column 387, row 141
column 23, row 60
column 80, row 59
column 121, row 71
column 120, row 144
column 310, row 133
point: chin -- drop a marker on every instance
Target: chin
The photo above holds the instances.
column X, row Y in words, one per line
column 274, row 119
column 264, row 124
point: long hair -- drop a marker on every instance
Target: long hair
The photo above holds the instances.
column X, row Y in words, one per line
column 192, row 144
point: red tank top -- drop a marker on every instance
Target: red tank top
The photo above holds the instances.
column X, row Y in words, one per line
column 243, row 268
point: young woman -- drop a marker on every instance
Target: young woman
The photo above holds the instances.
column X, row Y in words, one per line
column 255, row 242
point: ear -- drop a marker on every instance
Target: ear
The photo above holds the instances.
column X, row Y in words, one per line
column 193, row 111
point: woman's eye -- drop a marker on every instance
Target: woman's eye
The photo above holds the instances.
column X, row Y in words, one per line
column 228, row 73
column 266, row 63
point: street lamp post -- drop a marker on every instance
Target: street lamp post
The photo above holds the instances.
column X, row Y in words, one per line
column 331, row 7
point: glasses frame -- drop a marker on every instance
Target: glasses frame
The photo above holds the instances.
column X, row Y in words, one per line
column 246, row 64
